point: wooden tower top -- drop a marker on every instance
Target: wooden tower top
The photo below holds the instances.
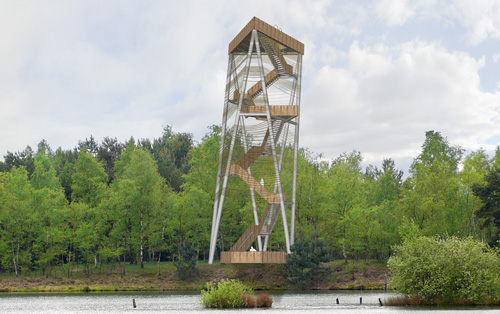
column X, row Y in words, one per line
column 241, row 41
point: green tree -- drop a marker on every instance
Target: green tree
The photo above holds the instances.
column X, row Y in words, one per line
column 63, row 163
column 309, row 211
column 488, row 192
column 18, row 221
column 171, row 152
column 430, row 196
column 49, row 202
column 303, row 265
column 88, row 180
column 340, row 193
column 378, row 223
column 137, row 193
column 44, row 174
column 203, row 163
column 186, row 261
column 190, row 219
column 109, row 153
column 475, row 168
column 90, row 145
column 23, row 158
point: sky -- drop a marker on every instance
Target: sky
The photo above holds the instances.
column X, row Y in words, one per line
column 376, row 74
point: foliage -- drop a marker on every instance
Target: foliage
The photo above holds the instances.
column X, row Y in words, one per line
column 488, row 192
column 226, row 294
column 446, row 270
column 88, row 180
column 114, row 202
column 430, row 197
column 44, row 174
column 303, row 264
column 171, row 152
column 25, row 158
column 137, row 197
column 186, row 261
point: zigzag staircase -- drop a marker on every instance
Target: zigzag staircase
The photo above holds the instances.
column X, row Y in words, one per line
column 251, row 234
column 281, row 68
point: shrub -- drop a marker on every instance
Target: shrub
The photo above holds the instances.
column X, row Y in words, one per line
column 225, row 294
column 264, row 300
column 446, row 271
column 186, row 261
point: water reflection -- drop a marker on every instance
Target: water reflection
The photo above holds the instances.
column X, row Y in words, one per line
column 284, row 302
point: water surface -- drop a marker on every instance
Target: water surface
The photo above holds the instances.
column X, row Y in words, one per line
column 284, row 302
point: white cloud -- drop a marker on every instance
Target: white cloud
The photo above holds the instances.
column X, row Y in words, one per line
column 394, row 12
column 481, row 18
column 387, row 97
column 123, row 68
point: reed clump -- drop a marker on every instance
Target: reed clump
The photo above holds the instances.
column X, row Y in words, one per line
column 264, row 300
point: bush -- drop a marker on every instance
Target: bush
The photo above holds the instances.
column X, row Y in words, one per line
column 446, row 271
column 225, row 294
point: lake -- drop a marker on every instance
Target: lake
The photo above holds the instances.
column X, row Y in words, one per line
column 187, row 303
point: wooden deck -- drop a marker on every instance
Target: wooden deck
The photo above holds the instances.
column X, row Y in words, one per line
column 275, row 111
column 253, row 258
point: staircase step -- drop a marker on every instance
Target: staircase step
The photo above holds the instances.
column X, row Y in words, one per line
column 272, row 198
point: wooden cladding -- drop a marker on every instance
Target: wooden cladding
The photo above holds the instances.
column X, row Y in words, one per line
column 253, row 257
column 269, row 31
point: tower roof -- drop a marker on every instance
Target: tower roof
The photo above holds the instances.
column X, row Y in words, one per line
column 240, row 42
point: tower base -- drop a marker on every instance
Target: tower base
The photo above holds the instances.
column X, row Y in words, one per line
column 253, row 257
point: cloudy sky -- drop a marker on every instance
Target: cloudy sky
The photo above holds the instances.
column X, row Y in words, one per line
column 376, row 74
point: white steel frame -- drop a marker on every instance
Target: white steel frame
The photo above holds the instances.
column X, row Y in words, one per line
column 276, row 101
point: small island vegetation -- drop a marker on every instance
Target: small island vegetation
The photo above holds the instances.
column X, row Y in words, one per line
column 232, row 294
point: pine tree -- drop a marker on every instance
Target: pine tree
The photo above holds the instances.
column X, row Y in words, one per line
column 186, row 262
column 303, row 265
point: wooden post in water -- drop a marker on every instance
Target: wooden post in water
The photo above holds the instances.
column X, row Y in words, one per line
column 380, row 301
column 361, row 300
column 338, row 301
column 133, row 303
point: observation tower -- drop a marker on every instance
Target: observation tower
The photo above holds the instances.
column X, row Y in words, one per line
column 259, row 139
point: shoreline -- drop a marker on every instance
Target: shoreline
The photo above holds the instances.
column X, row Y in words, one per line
column 358, row 275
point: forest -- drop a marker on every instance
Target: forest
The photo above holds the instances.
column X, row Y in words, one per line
column 142, row 200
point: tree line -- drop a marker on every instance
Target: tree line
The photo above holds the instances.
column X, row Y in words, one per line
column 142, row 200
